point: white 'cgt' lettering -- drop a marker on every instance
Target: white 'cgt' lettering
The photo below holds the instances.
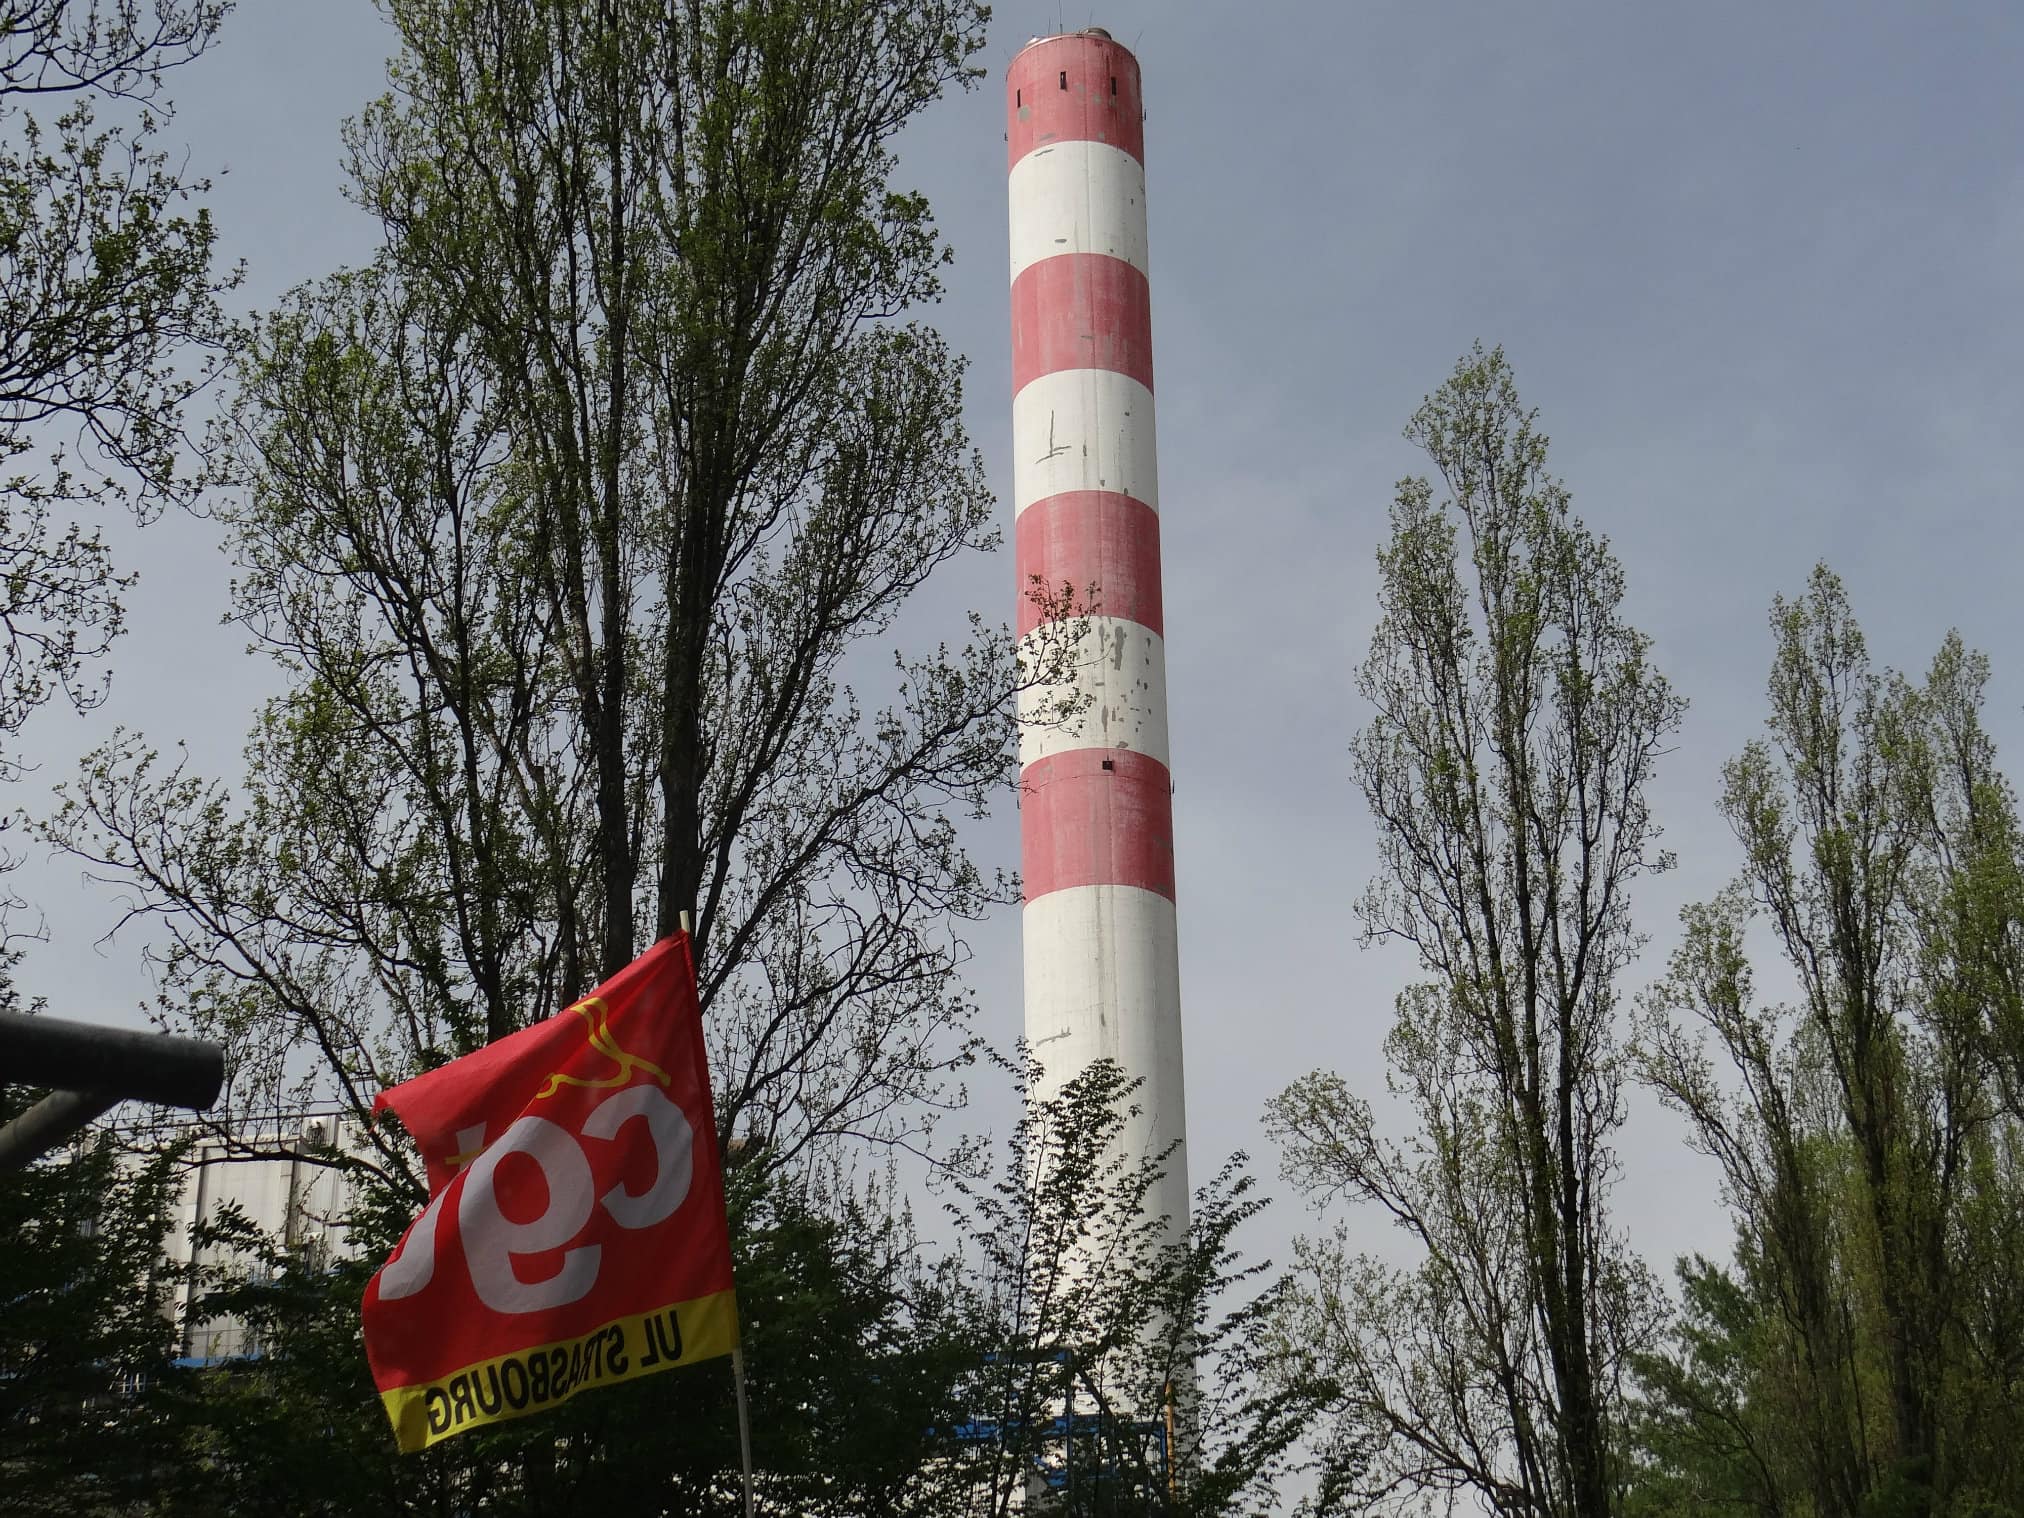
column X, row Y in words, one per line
column 490, row 1239
column 674, row 1154
column 413, row 1265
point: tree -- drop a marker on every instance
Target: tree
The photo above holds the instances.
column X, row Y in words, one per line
column 107, row 288
column 110, row 323
column 570, row 519
column 1867, row 1134
column 574, row 522
column 853, row 1349
column 1517, row 718
column 86, row 1404
column 1117, row 1369
column 1706, row 1437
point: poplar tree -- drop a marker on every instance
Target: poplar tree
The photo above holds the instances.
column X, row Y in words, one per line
column 1867, row 1130
column 575, row 523
column 1516, row 719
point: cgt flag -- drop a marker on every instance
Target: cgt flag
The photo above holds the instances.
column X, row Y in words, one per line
column 575, row 1232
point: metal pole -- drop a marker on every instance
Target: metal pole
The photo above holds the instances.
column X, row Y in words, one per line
column 190, row 1281
column 92, row 1070
column 49, row 1122
column 744, row 1416
column 130, row 1065
column 1068, row 1427
column 738, row 1347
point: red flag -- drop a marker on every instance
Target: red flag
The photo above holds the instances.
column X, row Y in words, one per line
column 575, row 1232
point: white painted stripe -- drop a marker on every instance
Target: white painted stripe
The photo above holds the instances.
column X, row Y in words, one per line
column 1120, row 668
column 1078, row 197
column 1103, row 982
column 1083, row 429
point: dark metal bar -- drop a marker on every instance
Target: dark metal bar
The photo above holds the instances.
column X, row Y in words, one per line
column 145, row 1067
column 49, row 1122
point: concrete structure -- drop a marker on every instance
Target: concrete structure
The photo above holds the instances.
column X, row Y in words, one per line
column 1096, row 808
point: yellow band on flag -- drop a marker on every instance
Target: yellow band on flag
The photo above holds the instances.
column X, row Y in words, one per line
column 530, row 1380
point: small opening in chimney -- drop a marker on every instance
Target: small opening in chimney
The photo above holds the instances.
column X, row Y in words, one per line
column 1110, row 764
column 1113, row 84
column 1064, row 79
column 1019, row 97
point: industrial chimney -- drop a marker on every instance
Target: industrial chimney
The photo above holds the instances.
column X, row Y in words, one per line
column 1096, row 793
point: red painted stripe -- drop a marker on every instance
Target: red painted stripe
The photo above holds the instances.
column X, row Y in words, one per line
column 1104, row 545
column 1074, row 89
column 1082, row 824
column 1081, row 311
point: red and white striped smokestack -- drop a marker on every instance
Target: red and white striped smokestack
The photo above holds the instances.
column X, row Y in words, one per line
column 1096, row 807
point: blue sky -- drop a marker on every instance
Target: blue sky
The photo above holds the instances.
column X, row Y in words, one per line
column 1758, row 267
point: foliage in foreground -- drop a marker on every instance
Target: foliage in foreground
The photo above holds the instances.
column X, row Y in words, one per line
column 886, row 1375
column 850, row 1354
column 87, row 1380
column 1152, row 1339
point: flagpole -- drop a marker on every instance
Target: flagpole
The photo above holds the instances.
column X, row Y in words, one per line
column 744, row 1415
column 738, row 1345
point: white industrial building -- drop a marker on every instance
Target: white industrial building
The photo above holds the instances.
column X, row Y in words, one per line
column 270, row 1174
